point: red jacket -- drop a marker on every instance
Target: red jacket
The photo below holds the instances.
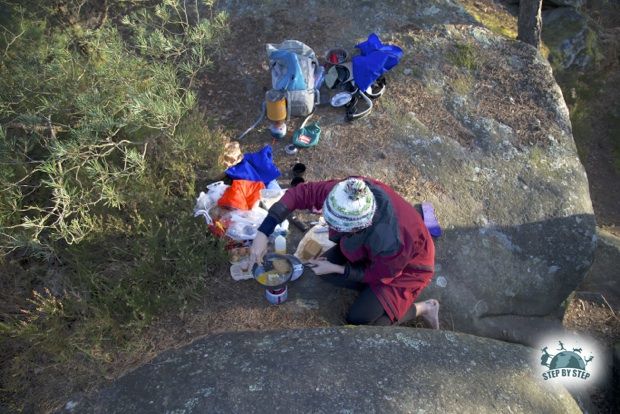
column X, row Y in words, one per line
column 394, row 256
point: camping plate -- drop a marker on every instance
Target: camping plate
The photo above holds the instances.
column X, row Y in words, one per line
column 341, row 99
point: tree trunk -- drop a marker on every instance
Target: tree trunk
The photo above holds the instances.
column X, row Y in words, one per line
column 530, row 22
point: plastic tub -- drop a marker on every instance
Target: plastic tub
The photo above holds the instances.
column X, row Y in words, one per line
column 269, row 197
column 238, row 273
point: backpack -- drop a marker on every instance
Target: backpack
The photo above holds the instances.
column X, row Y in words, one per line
column 294, row 73
column 295, row 76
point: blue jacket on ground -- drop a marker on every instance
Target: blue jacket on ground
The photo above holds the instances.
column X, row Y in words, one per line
column 376, row 58
column 255, row 166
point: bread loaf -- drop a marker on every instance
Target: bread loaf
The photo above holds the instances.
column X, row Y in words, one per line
column 311, row 250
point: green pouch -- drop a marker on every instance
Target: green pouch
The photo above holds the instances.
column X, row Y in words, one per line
column 308, row 136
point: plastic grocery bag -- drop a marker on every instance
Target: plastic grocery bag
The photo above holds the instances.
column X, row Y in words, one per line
column 243, row 225
column 208, row 200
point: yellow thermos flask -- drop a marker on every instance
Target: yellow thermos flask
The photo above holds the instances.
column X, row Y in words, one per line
column 276, row 106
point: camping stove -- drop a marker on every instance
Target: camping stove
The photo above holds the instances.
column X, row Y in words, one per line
column 276, row 296
column 276, row 291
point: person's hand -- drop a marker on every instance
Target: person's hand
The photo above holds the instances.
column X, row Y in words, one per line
column 258, row 249
column 322, row 266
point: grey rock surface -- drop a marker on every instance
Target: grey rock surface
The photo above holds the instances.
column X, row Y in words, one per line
column 470, row 121
column 567, row 3
column 334, row 370
column 520, row 231
column 568, row 35
column 604, row 275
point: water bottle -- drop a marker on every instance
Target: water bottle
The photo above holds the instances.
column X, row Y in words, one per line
column 280, row 244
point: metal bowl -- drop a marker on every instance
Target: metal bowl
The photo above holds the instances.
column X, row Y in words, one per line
column 298, row 267
column 258, row 270
column 341, row 99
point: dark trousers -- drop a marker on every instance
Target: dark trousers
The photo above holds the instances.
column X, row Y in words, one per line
column 366, row 310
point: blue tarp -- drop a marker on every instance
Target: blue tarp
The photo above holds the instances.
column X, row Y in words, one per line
column 255, row 166
column 376, row 58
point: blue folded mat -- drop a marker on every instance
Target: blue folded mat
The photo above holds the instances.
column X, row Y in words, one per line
column 375, row 59
column 255, row 166
column 428, row 212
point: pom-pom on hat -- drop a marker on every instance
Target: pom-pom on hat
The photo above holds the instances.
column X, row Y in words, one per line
column 350, row 206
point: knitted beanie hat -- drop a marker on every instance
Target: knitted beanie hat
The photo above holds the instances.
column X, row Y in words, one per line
column 350, row 206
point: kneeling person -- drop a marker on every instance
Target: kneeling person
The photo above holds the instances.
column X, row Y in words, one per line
column 382, row 247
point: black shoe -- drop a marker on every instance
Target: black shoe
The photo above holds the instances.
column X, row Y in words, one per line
column 353, row 108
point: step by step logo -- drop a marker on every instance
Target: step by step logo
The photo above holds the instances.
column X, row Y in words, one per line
column 565, row 363
column 570, row 360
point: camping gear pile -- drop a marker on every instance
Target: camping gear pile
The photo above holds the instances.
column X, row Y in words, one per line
column 295, row 79
column 298, row 78
column 235, row 209
column 361, row 80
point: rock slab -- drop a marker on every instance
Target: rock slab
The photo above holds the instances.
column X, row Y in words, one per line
column 571, row 40
column 334, row 370
column 604, row 275
column 473, row 122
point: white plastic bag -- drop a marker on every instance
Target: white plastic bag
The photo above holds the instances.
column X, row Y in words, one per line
column 208, row 200
column 243, row 225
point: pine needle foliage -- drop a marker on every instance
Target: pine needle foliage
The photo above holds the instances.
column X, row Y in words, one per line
column 101, row 146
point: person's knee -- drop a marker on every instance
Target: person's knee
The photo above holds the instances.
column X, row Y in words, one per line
column 357, row 318
column 366, row 309
column 382, row 320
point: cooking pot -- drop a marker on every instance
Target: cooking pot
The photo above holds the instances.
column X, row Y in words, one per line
column 296, row 269
column 262, row 276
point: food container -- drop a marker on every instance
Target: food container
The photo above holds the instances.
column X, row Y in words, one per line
column 239, row 254
column 341, row 99
column 276, row 106
column 336, row 56
column 275, row 272
column 270, row 196
column 241, row 271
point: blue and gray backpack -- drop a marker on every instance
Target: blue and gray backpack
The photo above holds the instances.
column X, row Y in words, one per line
column 294, row 73
column 295, row 76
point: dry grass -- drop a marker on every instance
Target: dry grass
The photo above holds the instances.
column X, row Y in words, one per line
column 227, row 307
column 591, row 315
column 595, row 318
column 498, row 17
